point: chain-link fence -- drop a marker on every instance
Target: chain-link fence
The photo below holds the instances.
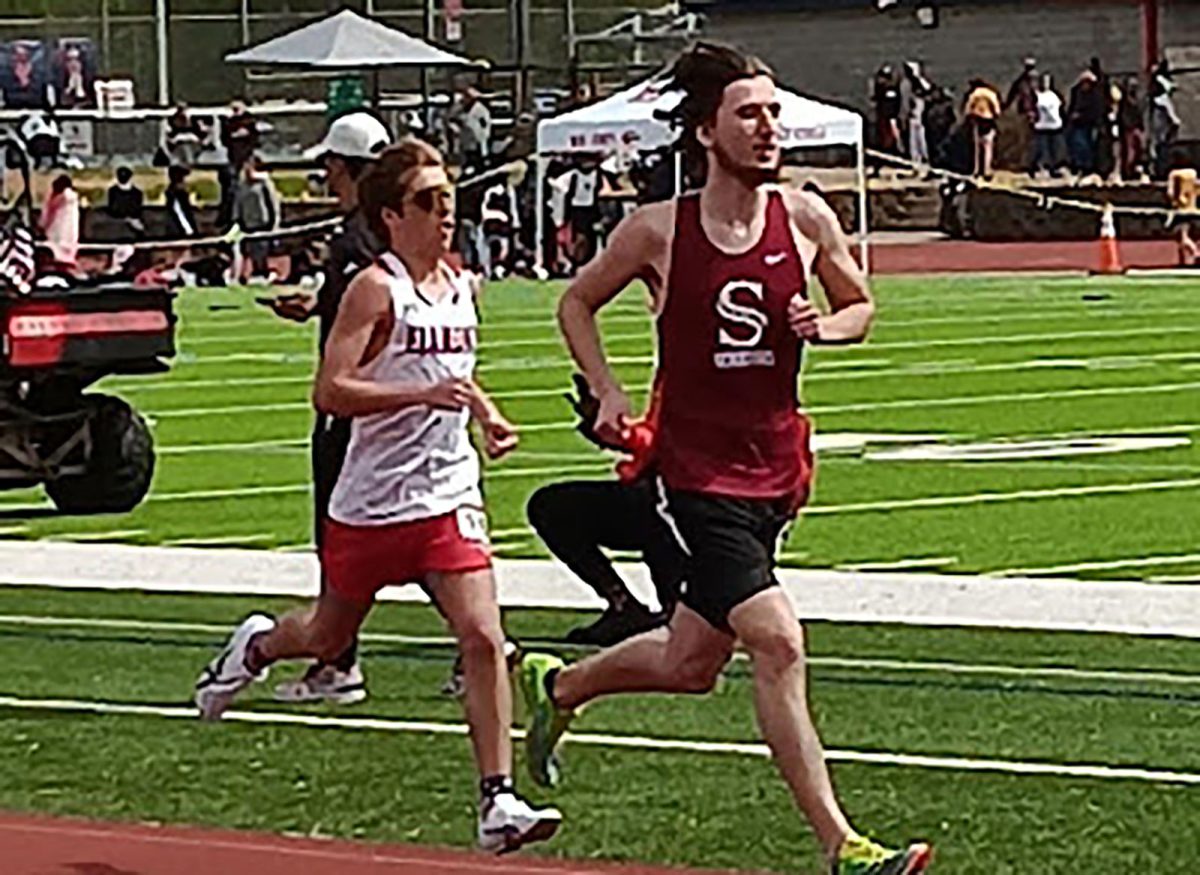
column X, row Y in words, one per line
column 199, row 33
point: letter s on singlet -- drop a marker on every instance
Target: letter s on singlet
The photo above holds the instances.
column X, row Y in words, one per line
column 749, row 317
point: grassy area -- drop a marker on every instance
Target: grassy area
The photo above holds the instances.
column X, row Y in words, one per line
column 958, row 360
column 953, row 361
column 680, row 807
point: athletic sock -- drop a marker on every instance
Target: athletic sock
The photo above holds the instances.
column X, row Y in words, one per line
column 347, row 658
column 493, row 785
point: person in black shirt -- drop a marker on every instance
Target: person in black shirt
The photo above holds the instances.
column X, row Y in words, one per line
column 349, row 149
column 125, row 204
column 181, row 218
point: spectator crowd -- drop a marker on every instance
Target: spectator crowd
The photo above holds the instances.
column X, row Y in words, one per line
column 1102, row 125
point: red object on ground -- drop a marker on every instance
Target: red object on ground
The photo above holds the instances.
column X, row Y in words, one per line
column 49, row 846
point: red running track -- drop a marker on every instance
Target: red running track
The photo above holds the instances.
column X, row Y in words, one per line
column 949, row 256
column 52, row 846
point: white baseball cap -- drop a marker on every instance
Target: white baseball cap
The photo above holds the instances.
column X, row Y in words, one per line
column 354, row 135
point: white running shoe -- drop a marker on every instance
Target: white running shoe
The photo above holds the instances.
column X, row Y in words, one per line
column 325, row 683
column 508, row 822
column 227, row 675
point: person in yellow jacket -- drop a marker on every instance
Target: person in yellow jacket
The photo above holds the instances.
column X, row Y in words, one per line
column 983, row 110
column 1183, row 187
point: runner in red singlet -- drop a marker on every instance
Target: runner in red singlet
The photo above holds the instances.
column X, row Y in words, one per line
column 729, row 268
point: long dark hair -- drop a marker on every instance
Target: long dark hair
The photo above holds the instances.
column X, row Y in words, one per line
column 702, row 73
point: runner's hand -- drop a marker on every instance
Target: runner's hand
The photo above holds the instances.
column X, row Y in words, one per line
column 613, row 420
column 804, row 319
column 500, row 437
column 297, row 307
column 450, row 394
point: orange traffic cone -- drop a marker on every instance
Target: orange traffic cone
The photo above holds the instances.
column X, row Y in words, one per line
column 1110, row 247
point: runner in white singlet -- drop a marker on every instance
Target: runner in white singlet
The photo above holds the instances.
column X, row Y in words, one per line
column 407, row 506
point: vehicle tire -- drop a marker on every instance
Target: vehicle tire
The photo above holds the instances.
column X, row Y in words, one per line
column 119, row 468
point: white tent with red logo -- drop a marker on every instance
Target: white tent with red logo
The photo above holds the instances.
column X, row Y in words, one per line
column 631, row 120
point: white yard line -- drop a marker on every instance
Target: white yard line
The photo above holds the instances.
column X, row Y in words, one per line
column 864, row 407
column 563, row 360
column 1004, row 497
column 908, row 666
column 917, row 562
column 828, row 370
column 219, row 541
column 675, row 745
column 1105, row 565
column 114, row 535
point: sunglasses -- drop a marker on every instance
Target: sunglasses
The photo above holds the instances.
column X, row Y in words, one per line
column 435, row 196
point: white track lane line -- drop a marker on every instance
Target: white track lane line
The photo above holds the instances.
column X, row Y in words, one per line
column 1128, row 562
column 1032, row 672
column 864, row 407
column 644, row 743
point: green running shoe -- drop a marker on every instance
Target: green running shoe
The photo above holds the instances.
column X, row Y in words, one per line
column 545, row 723
column 861, row 856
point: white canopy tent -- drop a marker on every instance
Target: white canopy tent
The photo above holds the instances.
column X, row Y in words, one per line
column 346, row 41
column 628, row 121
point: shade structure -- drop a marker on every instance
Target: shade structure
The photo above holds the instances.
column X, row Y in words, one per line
column 628, row 120
column 346, row 41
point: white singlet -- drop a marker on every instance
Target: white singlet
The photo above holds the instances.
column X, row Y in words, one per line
column 416, row 462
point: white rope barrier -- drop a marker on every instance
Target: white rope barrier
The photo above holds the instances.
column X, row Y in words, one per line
column 1043, row 200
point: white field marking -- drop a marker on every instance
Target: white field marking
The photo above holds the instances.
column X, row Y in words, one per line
column 600, row 464
column 1177, row 578
column 821, row 443
column 288, row 444
column 915, row 666
column 1019, row 397
column 824, row 370
column 81, row 537
column 900, row 564
column 1003, row 497
column 218, row 541
column 1014, row 450
column 986, row 340
column 419, row 727
column 1130, row 562
column 903, row 404
column 168, row 384
column 563, row 361
column 909, row 598
column 1064, row 464
column 231, row 410
column 275, row 358
column 485, row 344
column 818, row 510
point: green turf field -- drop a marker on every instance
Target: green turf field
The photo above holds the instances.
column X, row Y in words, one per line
column 959, row 361
column 974, row 695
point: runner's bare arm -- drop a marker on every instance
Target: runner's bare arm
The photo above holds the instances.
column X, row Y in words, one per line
column 340, row 390
column 845, row 285
column 634, row 250
column 500, row 435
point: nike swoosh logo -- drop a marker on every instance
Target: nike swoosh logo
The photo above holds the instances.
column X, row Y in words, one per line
column 775, row 258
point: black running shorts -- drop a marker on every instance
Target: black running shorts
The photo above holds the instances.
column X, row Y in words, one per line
column 730, row 545
column 330, row 440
